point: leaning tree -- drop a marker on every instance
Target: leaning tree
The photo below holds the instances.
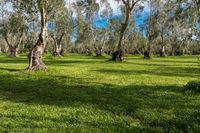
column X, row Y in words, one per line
column 129, row 6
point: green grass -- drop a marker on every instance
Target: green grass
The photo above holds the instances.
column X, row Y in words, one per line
column 89, row 94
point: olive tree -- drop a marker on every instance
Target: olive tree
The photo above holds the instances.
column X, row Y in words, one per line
column 12, row 29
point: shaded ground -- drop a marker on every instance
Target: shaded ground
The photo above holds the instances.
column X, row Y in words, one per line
column 85, row 94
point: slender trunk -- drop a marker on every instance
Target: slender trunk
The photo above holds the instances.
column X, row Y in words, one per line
column 162, row 51
column 57, row 49
column 181, row 48
column 173, row 52
column 147, row 52
column 46, row 48
column 119, row 54
column 35, row 55
column 183, row 51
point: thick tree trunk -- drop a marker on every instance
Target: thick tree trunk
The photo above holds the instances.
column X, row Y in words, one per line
column 117, row 56
column 35, row 55
column 99, row 51
column 13, row 51
column 57, row 50
column 147, row 54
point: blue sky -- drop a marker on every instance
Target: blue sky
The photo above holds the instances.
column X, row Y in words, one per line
column 102, row 23
column 139, row 19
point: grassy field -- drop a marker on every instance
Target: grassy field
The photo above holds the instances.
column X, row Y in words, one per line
column 91, row 95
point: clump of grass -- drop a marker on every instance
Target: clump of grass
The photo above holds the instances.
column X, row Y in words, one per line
column 193, row 86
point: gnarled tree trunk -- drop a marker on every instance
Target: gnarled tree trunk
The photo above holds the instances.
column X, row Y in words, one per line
column 58, row 51
column 13, row 49
column 35, row 55
column 98, row 51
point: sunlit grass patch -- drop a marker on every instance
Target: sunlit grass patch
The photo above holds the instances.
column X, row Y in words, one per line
column 89, row 94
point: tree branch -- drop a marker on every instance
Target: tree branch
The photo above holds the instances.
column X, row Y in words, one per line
column 133, row 4
column 20, row 39
column 60, row 39
column 124, row 2
column 6, row 39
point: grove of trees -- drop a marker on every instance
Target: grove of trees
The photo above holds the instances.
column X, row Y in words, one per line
column 167, row 28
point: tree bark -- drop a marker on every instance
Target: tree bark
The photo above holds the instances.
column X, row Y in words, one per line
column 162, row 51
column 99, row 51
column 13, row 49
column 147, row 52
column 35, row 55
column 119, row 54
column 58, row 51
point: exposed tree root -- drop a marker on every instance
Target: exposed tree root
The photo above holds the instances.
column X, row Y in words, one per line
column 37, row 67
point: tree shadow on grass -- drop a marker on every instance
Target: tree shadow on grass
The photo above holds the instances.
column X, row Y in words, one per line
column 65, row 62
column 160, row 71
column 50, row 61
column 167, row 60
column 11, row 69
column 160, row 64
column 13, row 60
column 148, row 104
